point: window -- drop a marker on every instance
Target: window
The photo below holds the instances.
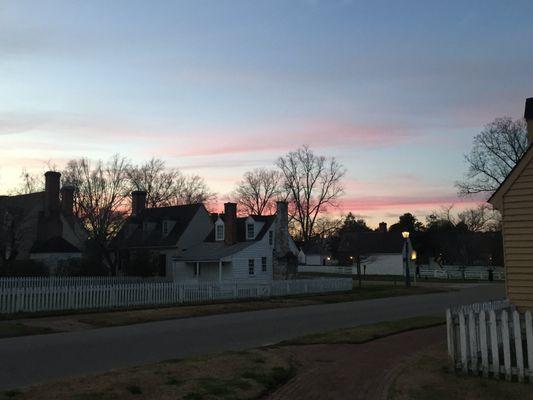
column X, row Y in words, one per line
column 251, row 266
column 219, row 232
column 270, row 238
column 250, row 234
column 263, row 264
column 165, row 227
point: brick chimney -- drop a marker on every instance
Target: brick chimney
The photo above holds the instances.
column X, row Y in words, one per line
column 282, row 228
column 230, row 223
column 67, row 199
column 528, row 115
column 51, row 192
column 138, row 202
column 382, row 227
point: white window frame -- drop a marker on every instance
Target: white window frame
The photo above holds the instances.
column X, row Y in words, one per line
column 264, row 264
column 219, row 232
column 248, row 236
column 251, row 266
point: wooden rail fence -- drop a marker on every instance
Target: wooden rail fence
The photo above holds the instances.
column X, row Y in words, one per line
column 107, row 296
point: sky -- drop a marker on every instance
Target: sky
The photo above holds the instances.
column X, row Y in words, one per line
column 395, row 90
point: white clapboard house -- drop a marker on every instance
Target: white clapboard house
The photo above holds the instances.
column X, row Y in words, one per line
column 191, row 244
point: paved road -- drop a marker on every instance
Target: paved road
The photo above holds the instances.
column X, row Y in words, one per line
column 29, row 360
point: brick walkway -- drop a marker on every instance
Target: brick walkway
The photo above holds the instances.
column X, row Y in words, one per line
column 353, row 372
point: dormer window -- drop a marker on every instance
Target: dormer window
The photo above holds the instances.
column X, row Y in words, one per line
column 250, row 231
column 219, row 232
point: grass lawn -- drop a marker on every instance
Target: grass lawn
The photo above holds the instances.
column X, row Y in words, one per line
column 430, row 377
column 118, row 318
column 12, row 329
column 71, row 321
column 231, row 375
column 242, row 375
column 365, row 333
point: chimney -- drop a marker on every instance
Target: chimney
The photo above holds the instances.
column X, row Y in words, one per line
column 230, row 223
column 51, row 192
column 282, row 228
column 67, row 199
column 382, row 227
column 138, row 202
column 528, row 115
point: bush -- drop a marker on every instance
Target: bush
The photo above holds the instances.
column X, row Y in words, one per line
column 23, row 268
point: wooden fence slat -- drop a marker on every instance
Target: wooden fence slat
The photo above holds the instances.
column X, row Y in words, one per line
column 483, row 343
column 506, row 345
column 518, row 345
column 464, row 347
column 529, row 342
column 494, row 344
column 472, row 332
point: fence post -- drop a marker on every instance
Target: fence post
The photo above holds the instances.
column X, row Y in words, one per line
column 464, row 346
column 518, row 345
column 506, row 345
column 483, row 343
column 494, row 344
column 473, row 340
column 450, row 334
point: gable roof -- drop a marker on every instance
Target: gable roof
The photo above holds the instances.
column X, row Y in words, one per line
column 268, row 220
column 371, row 243
column 211, row 251
column 497, row 197
column 54, row 245
column 132, row 235
column 23, row 203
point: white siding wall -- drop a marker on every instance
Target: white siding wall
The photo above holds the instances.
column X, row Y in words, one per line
column 255, row 251
column 383, row 264
column 314, row 259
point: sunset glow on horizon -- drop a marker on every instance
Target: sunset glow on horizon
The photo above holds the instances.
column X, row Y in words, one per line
column 394, row 90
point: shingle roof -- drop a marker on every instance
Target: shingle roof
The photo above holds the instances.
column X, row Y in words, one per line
column 211, row 251
column 132, row 235
column 371, row 243
column 54, row 245
column 241, row 226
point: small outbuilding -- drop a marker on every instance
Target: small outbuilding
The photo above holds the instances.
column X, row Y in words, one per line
column 514, row 199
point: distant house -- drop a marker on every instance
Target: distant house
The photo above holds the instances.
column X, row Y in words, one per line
column 192, row 244
column 41, row 226
column 514, row 199
column 380, row 251
column 314, row 253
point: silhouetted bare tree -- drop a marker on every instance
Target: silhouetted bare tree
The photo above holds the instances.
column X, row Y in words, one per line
column 258, row 190
column 101, row 197
column 168, row 186
column 313, row 184
column 495, row 151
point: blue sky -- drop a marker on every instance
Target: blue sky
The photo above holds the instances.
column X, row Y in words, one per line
column 394, row 89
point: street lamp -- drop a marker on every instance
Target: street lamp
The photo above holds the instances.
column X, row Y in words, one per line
column 405, row 235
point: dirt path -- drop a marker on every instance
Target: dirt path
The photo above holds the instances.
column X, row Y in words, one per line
column 354, row 371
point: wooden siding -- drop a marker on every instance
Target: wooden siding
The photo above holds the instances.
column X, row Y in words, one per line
column 518, row 239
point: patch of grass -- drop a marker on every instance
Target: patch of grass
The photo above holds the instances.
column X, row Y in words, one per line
column 11, row 393
column 365, row 333
column 134, row 389
column 174, row 381
column 429, row 377
column 8, row 329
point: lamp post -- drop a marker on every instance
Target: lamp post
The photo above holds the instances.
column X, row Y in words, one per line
column 405, row 235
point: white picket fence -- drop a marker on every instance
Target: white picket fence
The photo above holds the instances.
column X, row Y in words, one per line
column 468, row 273
column 124, row 295
column 38, row 281
column 491, row 339
column 478, row 273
